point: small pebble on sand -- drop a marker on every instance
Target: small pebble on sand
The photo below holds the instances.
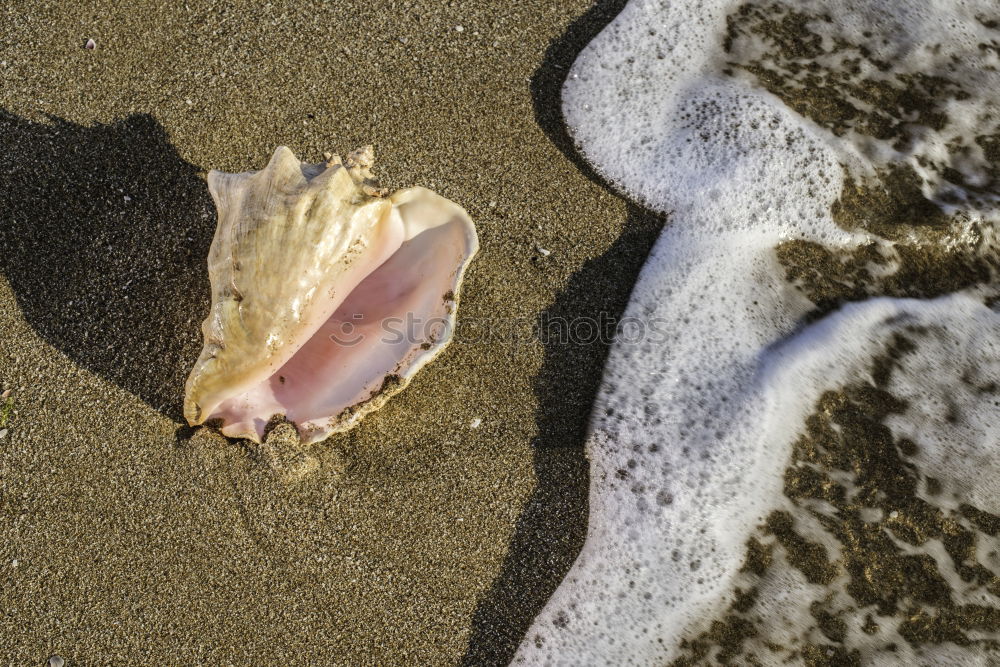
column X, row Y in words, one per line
column 56, row 661
column 3, row 433
column 476, row 423
column 91, row 44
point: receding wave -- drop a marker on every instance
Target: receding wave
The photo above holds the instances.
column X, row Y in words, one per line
column 805, row 468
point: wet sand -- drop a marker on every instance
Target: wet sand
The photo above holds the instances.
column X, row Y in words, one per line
column 127, row 537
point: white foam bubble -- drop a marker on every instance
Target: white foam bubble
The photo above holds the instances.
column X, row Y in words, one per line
column 693, row 424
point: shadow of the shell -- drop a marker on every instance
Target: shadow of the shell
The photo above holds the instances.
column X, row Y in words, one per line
column 103, row 240
column 553, row 525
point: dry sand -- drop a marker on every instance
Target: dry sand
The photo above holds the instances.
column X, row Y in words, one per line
column 126, row 538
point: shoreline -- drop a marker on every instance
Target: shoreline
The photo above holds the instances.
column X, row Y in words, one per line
column 135, row 538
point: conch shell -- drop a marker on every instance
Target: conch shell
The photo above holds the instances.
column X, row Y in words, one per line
column 327, row 296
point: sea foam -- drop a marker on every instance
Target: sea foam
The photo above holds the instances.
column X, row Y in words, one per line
column 823, row 297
